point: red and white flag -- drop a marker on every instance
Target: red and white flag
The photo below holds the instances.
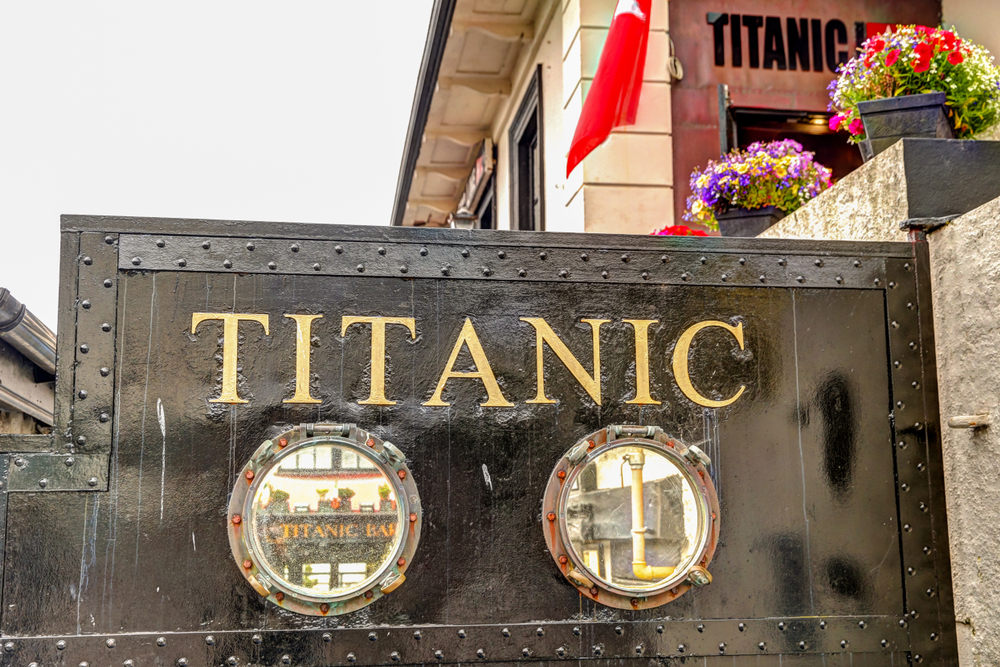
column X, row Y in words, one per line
column 613, row 98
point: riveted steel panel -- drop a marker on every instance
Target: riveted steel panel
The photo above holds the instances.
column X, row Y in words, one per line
column 827, row 467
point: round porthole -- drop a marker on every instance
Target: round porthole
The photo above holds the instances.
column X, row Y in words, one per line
column 631, row 517
column 324, row 519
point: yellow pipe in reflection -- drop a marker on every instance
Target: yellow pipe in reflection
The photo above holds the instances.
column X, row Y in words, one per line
column 640, row 569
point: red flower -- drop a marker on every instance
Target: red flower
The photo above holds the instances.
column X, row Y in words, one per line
column 955, row 57
column 879, row 44
column 678, row 230
column 892, row 57
column 948, row 41
column 835, row 123
column 924, row 53
column 921, row 66
column 855, row 127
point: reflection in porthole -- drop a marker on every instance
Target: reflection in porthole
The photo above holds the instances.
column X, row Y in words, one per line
column 324, row 519
column 636, row 517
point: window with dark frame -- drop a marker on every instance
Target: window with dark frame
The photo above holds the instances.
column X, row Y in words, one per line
column 486, row 212
column 526, row 155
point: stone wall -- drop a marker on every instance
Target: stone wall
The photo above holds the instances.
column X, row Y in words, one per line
column 868, row 205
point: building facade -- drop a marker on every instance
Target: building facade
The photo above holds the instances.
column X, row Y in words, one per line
column 502, row 84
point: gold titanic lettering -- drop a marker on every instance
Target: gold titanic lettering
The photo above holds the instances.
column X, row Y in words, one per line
column 376, row 395
column 681, row 352
column 230, row 339
column 641, row 330
column 468, row 337
column 545, row 334
column 303, row 346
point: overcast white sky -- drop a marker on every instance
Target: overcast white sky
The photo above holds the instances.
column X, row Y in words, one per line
column 285, row 111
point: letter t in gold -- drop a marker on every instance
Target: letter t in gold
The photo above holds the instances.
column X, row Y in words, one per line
column 230, row 339
column 377, row 394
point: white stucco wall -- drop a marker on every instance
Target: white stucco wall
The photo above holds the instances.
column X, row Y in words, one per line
column 978, row 20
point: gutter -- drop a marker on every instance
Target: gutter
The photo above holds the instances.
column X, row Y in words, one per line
column 26, row 333
column 437, row 39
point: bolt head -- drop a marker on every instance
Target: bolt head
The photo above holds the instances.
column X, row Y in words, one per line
column 237, row 519
column 324, row 608
column 249, row 475
column 247, row 564
column 110, row 643
column 413, row 517
column 551, row 516
column 563, row 560
column 210, row 640
column 279, row 596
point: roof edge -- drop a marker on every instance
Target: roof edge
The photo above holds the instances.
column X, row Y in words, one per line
column 437, row 39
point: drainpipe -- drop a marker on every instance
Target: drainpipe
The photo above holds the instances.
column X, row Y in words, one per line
column 642, row 571
column 26, row 333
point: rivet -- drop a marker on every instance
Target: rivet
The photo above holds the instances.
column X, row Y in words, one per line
column 416, row 634
column 901, row 444
column 894, row 324
column 743, row 260
column 742, row 627
column 85, row 303
column 439, row 654
column 85, row 348
column 822, row 625
column 563, row 560
column 70, row 460
column 584, row 256
column 107, row 283
column 597, row 650
column 401, row 562
column 921, row 466
column 403, row 268
column 839, row 279
column 884, row 643
column 9, row 646
column 906, row 266
column 279, row 596
column 43, row 482
column 129, row 663
column 934, row 636
column 818, row 262
column 61, row 644
column 19, row 461
column 423, row 252
column 272, row 266
column 877, row 282
column 461, row 634
column 82, row 393
column 88, row 260
column 892, row 285
column 110, row 643
column 701, row 627
column 282, row 442
column 247, row 564
column 413, row 517
column 900, row 405
column 250, row 246
column 249, row 475
column 257, row 639
column 324, row 608
column 87, row 664
column 625, row 258
column 862, row 624
column 206, row 245
column 781, row 626
column 857, row 264
column 339, row 249
column 501, row 254
column 543, row 255
column 604, row 274
column 843, row 643
column 591, row 444
column 287, row 660
column 563, row 273
column 92, row 481
column 327, row 637
column 684, row 276
column 369, row 595
column 350, row 657
column 104, row 417
column 722, row 648
column 904, row 486
column 659, row 629
column 227, row 264
column 182, row 262
column 725, row 277
column 913, row 345
column 802, row 646
column 160, row 641
column 703, row 260
column 182, row 662
column 81, row 440
column 551, row 516
column 576, row 631
column 619, row 629
column 361, row 268
column 401, row 474
column 762, row 278
column 762, row 646
column 316, row 267
column 231, row 660
column 106, row 327
column 109, row 239
column 526, row 652
column 800, row 279
column 645, row 275
column 522, row 272
column 465, row 252
column 782, row 262
column 930, row 592
column 136, row 261
column 446, row 270
column 897, row 364
column 680, row 648
column 237, row 519
column 918, row 658
column 506, row 633
column 295, row 247
column 481, row 654
column 394, row 656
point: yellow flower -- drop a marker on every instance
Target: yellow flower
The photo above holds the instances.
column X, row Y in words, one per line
column 696, row 208
column 741, row 168
column 702, row 181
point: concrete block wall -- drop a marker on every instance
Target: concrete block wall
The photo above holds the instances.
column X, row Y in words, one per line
column 965, row 278
column 626, row 184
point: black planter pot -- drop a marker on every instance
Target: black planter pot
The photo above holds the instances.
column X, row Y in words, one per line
column 888, row 120
column 748, row 222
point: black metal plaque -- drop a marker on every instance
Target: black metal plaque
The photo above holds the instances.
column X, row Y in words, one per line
column 833, row 545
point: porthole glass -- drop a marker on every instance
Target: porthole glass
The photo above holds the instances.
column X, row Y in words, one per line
column 636, row 516
column 324, row 519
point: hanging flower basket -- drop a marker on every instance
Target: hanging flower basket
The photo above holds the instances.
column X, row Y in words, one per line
column 747, row 191
column 915, row 81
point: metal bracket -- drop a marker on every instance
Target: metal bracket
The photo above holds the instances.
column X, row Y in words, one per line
column 925, row 224
column 58, row 472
